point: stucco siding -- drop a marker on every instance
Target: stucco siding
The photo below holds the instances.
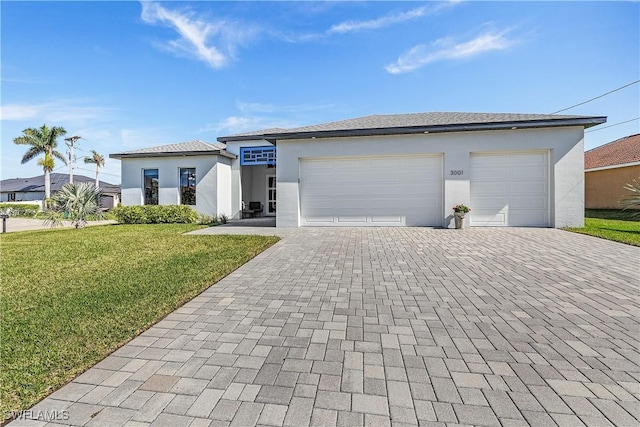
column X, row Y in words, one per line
column 604, row 188
column 169, row 180
column 565, row 175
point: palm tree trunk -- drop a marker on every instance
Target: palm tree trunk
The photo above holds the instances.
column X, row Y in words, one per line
column 47, row 184
column 97, row 182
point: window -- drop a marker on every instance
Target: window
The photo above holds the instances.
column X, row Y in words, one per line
column 12, row 197
column 188, row 186
column 150, row 186
column 258, row 155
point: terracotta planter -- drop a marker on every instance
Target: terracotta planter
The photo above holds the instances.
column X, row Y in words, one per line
column 459, row 220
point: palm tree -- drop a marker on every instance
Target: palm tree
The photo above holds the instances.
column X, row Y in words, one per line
column 43, row 140
column 78, row 202
column 632, row 201
column 98, row 159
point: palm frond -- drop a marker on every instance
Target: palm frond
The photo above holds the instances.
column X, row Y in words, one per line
column 59, row 156
column 631, row 201
column 80, row 201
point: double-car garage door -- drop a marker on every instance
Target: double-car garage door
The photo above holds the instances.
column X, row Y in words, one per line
column 507, row 189
column 371, row 191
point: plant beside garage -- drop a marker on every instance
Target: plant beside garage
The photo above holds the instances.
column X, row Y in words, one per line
column 459, row 211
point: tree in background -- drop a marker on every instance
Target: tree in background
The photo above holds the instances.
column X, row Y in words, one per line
column 98, row 160
column 42, row 140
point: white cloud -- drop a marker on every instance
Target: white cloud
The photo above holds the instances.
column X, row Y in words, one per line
column 448, row 49
column 66, row 112
column 238, row 124
column 197, row 36
column 389, row 19
column 384, row 21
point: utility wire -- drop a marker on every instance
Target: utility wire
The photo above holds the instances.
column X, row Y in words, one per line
column 594, row 98
column 610, row 126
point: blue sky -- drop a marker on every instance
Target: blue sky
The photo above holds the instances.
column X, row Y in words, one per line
column 127, row 75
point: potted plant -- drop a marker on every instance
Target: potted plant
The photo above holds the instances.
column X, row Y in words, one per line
column 459, row 212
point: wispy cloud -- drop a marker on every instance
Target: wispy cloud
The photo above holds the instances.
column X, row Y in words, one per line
column 212, row 42
column 256, row 116
column 143, row 137
column 246, row 123
column 63, row 111
column 389, row 19
column 449, row 49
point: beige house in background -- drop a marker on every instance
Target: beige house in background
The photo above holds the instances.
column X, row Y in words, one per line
column 607, row 169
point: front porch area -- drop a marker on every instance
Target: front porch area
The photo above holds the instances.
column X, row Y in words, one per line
column 258, row 183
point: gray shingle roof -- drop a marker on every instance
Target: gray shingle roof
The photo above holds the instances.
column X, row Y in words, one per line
column 425, row 122
column 36, row 184
column 195, row 147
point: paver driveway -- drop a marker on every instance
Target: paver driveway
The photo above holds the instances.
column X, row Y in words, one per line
column 382, row 326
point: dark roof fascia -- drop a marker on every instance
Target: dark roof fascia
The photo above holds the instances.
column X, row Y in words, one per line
column 586, row 122
column 173, row 154
column 225, row 139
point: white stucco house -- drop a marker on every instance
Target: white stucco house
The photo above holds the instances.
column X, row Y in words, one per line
column 380, row 170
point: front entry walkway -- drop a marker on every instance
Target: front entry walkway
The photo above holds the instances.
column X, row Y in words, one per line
column 388, row 326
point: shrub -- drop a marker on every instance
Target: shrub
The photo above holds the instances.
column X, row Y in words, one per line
column 18, row 209
column 76, row 202
column 155, row 214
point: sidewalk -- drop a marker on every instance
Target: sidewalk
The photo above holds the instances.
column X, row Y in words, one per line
column 26, row 224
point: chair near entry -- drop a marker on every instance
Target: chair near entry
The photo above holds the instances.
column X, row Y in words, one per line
column 257, row 208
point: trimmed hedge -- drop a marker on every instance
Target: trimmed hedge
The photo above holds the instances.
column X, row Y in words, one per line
column 155, row 214
column 19, row 209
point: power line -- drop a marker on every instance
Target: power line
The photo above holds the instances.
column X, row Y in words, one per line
column 610, row 126
column 594, row 98
column 101, row 172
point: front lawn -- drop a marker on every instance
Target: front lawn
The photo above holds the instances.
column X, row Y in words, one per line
column 70, row 297
column 617, row 225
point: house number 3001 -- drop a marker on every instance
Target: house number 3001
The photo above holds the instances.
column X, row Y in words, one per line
column 457, row 172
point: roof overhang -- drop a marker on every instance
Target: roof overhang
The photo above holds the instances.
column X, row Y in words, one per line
column 173, row 154
column 622, row 165
column 585, row 122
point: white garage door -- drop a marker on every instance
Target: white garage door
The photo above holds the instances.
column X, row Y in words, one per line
column 371, row 191
column 510, row 189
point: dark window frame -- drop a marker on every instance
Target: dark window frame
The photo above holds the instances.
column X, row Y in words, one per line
column 151, row 186
column 187, row 185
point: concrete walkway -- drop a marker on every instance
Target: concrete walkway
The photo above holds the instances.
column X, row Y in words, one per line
column 387, row 326
column 29, row 224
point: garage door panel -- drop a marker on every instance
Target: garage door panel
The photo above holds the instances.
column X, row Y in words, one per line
column 488, row 217
column 527, row 218
column 371, row 191
column 510, row 189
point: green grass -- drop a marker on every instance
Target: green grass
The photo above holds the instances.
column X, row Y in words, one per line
column 617, row 225
column 70, row 297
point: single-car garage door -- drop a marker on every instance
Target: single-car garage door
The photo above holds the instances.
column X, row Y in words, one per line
column 371, row 191
column 510, row 189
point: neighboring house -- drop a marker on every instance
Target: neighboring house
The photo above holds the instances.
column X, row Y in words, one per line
column 192, row 173
column 381, row 170
column 32, row 189
column 607, row 169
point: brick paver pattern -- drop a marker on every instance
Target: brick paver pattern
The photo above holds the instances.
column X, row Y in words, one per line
column 388, row 326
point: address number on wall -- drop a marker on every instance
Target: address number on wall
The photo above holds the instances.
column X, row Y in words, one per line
column 457, row 172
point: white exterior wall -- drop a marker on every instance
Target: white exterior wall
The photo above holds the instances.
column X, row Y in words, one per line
column 223, row 187
column 566, row 189
column 240, row 192
column 207, row 176
column 35, row 196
